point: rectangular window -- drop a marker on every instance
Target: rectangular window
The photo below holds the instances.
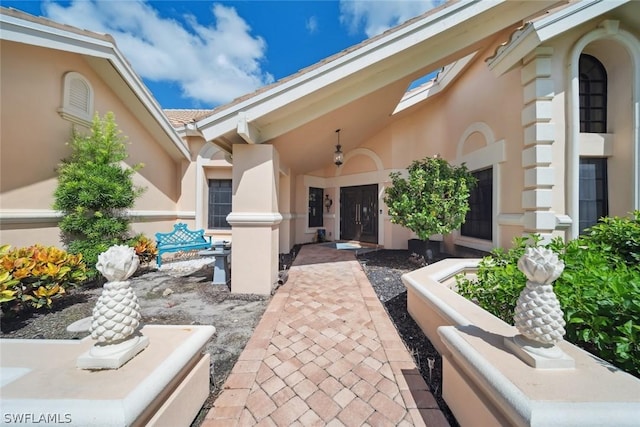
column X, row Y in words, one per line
column 315, row 206
column 479, row 219
column 593, row 197
column 219, row 203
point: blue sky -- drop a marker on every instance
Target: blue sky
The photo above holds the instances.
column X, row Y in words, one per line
column 199, row 54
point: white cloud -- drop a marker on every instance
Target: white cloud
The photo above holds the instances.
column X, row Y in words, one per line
column 312, row 25
column 212, row 64
column 377, row 16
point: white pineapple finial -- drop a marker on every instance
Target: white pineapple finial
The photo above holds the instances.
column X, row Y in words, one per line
column 538, row 316
column 116, row 315
column 117, row 312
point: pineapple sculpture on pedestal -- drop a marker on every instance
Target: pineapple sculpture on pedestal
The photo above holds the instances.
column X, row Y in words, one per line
column 116, row 316
column 538, row 316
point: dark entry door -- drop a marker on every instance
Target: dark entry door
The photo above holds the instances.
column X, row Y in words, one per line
column 359, row 213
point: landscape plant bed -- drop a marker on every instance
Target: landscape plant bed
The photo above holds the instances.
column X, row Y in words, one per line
column 234, row 316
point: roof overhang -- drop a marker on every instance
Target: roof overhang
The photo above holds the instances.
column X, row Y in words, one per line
column 379, row 69
column 532, row 35
column 102, row 54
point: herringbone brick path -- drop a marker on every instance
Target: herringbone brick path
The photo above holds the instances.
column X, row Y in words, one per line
column 325, row 353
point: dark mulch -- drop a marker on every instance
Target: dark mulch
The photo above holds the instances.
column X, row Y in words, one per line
column 384, row 269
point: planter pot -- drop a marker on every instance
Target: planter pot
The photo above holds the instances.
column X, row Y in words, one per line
column 429, row 249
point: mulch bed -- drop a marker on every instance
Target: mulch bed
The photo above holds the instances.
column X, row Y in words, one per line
column 384, row 269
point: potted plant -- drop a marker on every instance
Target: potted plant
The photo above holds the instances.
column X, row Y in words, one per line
column 433, row 199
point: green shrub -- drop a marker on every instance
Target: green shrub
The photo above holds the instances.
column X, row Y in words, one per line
column 95, row 191
column 499, row 282
column 36, row 275
column 434, row 199
column 600, row 296
column 618, row 236
column 598, row 292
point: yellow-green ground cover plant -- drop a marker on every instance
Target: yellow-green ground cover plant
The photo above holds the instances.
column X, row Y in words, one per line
column 599, row 290
column 145, row 248
column 34, row 276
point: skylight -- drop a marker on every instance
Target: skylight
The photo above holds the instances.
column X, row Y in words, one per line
column 432, row 83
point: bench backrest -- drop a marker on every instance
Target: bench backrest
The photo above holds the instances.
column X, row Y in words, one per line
column 181, row 235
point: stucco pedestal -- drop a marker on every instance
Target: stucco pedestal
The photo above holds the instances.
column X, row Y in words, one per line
column 165, row 385
column 112, row 356
column 538, row 356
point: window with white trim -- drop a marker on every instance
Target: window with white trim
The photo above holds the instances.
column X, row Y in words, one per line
column 77, row 99
column 593, row 95
column 593, row 197
column 220, row 199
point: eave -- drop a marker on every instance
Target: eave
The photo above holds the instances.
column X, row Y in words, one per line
column 524, row 40
column 402, row 54
column 104, row 57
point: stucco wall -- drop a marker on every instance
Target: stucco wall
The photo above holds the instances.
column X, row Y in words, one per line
column 617, row 144
column 437, row 126
column 33, row 137
column 480, row 110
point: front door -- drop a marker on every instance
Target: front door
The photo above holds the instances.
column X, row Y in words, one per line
column 359, row 213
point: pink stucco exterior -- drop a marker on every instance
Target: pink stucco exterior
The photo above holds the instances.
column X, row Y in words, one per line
column 504, row 100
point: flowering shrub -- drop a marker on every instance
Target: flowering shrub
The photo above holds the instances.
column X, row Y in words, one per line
column 35, row 275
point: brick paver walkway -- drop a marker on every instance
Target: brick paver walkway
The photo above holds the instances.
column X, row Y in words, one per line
column 325, row 353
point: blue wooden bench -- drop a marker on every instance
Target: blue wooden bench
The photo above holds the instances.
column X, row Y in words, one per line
column 181, row 239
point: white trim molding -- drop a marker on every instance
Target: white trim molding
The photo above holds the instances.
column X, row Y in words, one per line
column 525, row 39
column 491, row 155
column 254, row 219
column 607, row 30
column 361, row 152
column 28, row 216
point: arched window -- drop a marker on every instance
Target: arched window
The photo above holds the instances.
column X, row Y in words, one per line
column 593, row 95
column 77, row 99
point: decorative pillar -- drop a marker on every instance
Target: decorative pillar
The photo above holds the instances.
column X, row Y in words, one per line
column 539, row 136
column 255, row 219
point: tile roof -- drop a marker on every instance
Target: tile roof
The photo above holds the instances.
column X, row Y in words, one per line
column 8, row 11
column 332, row 58
column 179, row 118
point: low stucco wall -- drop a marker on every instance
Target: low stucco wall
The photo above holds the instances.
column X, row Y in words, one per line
column 484, row 383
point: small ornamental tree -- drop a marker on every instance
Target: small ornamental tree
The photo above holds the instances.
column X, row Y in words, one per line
column 94, row 191
column 434, row 199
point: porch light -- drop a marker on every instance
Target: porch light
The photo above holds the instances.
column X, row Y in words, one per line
column 338, row 156
column 327, row 202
